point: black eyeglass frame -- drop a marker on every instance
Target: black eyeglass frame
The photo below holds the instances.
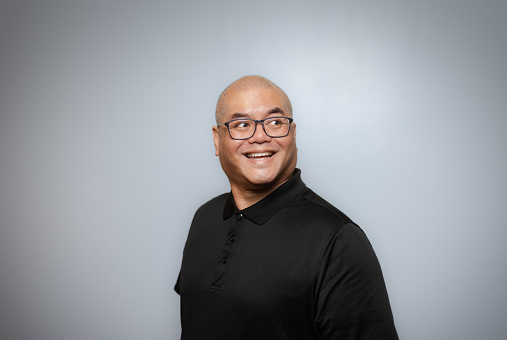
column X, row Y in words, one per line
column 255, row 127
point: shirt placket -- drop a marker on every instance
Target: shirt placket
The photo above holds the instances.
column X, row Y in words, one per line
column 227, row 255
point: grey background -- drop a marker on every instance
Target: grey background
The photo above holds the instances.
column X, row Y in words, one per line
column 106, row 151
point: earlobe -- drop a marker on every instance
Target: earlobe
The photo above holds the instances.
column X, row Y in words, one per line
column 216, row 138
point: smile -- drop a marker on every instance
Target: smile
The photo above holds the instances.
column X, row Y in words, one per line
column 259, row 155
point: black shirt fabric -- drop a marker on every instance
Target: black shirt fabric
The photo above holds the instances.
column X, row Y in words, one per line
column 291, row 267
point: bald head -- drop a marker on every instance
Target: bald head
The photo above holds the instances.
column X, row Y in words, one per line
column 246, row 83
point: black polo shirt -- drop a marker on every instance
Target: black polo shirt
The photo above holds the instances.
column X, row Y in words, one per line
column 291, row 266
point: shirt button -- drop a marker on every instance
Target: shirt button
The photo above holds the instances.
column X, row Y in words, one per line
column 225, row 260
column 233, row 238
column 240, row 216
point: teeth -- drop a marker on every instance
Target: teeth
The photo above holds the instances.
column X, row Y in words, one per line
column 259, row 154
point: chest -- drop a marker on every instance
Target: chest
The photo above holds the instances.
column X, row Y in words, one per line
column 275, row 264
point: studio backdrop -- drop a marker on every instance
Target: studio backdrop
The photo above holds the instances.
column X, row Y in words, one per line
column 106, row 109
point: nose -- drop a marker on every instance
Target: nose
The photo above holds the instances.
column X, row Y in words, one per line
column 259, row 136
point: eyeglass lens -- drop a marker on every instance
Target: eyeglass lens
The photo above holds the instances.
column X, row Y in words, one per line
column 245, row 128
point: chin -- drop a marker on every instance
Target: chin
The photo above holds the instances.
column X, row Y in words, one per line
column 262, row 178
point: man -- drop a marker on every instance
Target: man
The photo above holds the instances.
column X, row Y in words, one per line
column 271, row 259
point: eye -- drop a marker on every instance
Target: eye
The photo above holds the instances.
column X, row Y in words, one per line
column 276, row 121
column 240, row 124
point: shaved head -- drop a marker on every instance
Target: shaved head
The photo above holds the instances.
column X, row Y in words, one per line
column 246, row 83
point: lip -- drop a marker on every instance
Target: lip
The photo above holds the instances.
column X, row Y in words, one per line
column 259, row 154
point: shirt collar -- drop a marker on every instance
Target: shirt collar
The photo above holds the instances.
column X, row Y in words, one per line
column 263, row 210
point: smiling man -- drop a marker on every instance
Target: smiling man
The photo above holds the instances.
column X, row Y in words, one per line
column 271, row 259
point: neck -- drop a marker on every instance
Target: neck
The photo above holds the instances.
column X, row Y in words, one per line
column 245, row 198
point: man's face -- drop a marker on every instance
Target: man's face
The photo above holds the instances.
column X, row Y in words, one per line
column 279, row 155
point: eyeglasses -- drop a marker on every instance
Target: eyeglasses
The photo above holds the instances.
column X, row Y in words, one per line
column 244, row 128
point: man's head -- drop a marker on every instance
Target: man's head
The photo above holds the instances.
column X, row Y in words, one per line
column 261, row 162
column 245, row 83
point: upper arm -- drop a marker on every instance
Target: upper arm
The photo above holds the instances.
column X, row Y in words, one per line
column 351, row 299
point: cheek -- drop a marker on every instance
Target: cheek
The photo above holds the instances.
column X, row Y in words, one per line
column 291, row 149
column 289, row 144
column 228, row 149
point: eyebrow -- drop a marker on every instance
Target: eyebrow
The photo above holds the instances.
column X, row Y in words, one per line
column 237, row 115
column 276, row 110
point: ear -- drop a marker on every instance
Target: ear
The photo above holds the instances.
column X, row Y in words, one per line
column 294, row 132
column 216, row 138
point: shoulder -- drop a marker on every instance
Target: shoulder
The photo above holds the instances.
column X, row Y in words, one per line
column 214, row 205
column 346, row 237
column 318, row 208
column 311, row 210
column 208, row 214
column 323, row 206
column 220, row 199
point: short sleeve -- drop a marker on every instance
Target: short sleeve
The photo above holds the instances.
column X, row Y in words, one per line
column 351, row 300
column 177, row 285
